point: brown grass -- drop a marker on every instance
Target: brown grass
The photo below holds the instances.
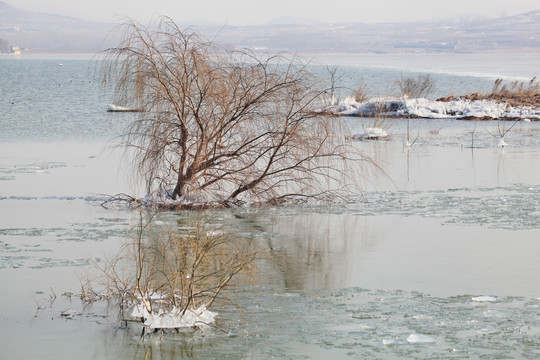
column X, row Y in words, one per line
column 517, row 93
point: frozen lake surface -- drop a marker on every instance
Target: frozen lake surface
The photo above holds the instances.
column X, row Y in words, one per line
column 437, row 258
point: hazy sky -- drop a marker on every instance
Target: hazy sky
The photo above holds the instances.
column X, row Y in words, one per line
column 248, row 12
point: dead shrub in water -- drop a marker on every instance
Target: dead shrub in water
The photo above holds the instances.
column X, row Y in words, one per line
column 183, row 268
column 379, row 120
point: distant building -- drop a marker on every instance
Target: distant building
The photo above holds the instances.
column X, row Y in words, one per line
column 15, row 50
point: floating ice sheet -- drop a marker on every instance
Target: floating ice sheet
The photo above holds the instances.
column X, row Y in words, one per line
column 420, row 339
column 484, row 299
column 512, row 207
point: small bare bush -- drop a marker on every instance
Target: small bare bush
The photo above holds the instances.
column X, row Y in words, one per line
column 379, row 120
column 418, row 87
column 360, row 93
column 183, row 268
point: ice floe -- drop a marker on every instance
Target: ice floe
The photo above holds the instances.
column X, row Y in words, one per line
column 117, row 108
column 488, row 331
column 370, row 133
column 484, row 299
column 175, row 318
column 420, row 339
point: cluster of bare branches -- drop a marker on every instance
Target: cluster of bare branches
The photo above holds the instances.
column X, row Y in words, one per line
column 360, row 93
column 183, row 268
column 418, row 87
column 227, row 126
column 334, row 92
column 334, row 80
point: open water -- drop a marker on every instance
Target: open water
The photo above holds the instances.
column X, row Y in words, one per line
column 438, row 258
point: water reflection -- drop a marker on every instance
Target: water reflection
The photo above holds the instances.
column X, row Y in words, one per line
column 343, row 248
column 316, row 254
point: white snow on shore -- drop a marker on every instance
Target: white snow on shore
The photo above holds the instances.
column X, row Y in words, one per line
column 431, row 109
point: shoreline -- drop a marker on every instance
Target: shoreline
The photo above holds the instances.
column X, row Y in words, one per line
column 466, row 118
column 507, row 106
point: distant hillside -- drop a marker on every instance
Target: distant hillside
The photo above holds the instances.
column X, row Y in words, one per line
column 47, row 32
column 13, row 19
column 509, row 33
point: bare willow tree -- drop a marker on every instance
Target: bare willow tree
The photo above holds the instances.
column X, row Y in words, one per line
column 225, row 126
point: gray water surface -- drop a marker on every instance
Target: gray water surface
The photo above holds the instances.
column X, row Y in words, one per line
column 443, row 226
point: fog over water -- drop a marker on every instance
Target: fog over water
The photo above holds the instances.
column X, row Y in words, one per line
column 243, row 12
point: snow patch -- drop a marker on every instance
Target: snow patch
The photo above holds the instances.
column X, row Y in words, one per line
column 175, row 318
column 140, row 311
column 370, row 133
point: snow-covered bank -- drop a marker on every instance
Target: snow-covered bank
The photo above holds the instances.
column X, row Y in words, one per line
column 431, row 109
